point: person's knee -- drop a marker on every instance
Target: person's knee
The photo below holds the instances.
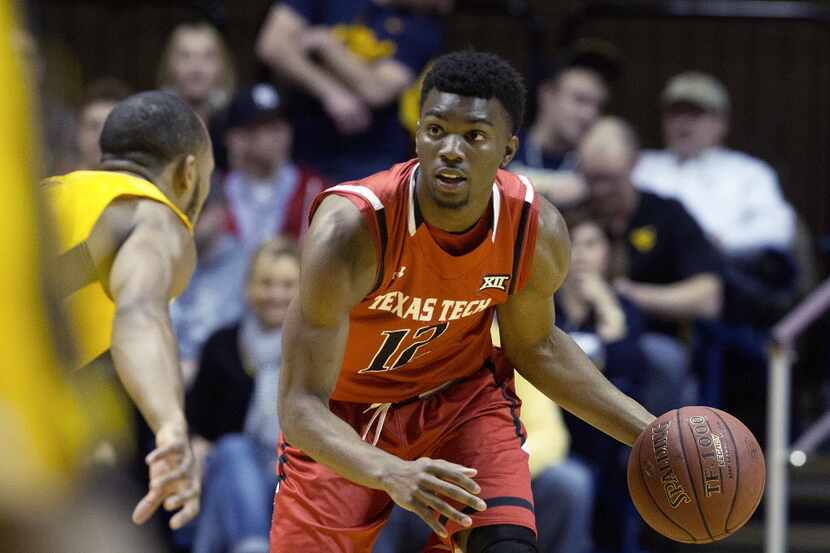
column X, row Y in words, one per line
column 233, row 446
column 502, row 538
column 565, row 482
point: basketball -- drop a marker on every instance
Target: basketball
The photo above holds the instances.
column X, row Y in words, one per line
column 696, row 474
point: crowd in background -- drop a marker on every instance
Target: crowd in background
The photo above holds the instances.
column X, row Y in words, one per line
column 679, row 256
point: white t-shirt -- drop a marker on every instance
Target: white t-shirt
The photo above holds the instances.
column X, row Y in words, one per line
column 734, row 197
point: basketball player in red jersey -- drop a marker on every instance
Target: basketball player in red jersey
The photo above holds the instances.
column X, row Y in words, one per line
column 391, row 389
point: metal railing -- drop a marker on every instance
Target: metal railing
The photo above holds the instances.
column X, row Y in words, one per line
column 779, row 453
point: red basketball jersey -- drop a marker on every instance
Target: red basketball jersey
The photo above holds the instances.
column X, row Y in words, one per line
column 428, row 319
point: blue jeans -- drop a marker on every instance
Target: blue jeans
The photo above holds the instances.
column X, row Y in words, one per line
column 564, row 498
column 237, row 498
column 564, row 502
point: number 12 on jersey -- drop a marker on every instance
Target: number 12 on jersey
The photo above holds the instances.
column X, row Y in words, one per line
column 388, row 359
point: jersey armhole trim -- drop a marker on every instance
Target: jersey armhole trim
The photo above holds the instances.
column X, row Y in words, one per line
column 371, row 199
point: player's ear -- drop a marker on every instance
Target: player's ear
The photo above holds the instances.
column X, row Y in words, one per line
column 510, row 151
column 417, row 132
column 187, row 175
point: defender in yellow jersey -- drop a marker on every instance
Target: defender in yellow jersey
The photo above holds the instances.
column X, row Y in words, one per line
column 126, row 251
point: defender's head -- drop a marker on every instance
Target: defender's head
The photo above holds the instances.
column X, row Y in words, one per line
column 159, row 134
column 472, row 106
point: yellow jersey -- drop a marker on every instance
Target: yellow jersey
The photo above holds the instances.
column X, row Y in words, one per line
column 43, row 427
column 77, row 201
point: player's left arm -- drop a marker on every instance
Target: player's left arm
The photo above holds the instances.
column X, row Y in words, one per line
column 547, row 356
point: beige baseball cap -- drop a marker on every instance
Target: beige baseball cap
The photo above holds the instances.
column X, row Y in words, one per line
column 699, row 89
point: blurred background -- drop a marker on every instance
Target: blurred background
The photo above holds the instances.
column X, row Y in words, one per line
column 730, row 104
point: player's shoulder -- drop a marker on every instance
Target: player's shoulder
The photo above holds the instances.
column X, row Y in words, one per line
column 553, row 231
column 340, row 232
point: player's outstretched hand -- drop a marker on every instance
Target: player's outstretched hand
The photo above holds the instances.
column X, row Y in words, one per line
column 419, row 486
column 175, row 479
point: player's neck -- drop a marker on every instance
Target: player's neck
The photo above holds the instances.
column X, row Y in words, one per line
column 449, row 219
column 160, row 180
column 129, row 168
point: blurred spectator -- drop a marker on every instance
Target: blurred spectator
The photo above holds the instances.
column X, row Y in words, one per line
column 214, row 296
column 267, row 194
column 101, row 96
column 232, row 409
column 734, row 197
column 351, row 62
column 672, row 272
column 197, row 66
column 609, row 329
column 570, row 99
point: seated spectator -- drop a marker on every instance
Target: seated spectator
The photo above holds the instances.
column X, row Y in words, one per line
column 232, row 409
column 570, row 100
column 350, row 62
column 101, row 96
column 609, row 329
column 214, row 297
column 672, row 272
column 605, row 325
column 734, row 197
column 196, row 65
column 563, row 487
column 268, row 195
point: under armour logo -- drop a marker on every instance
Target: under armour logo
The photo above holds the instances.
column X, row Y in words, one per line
column 399, row 274
column 499, row 282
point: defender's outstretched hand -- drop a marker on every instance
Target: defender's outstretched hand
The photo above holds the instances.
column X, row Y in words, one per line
column 175, row 479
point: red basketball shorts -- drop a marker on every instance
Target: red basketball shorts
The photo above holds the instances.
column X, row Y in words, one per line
column 473, row 422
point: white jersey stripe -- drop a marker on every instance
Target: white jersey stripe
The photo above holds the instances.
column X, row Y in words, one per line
column 362, row 191
column 411, row 218
column 496, row 209
column 528, row 188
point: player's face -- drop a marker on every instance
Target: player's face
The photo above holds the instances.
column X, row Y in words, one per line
column 273, row 284
column 589, row 249
column 90, row 125
column 572, row 104
column 461, row 142
column 689, row 129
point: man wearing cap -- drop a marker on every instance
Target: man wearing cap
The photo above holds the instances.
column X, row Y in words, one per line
column 570, row 99
column 267, row 193
column 734, row 197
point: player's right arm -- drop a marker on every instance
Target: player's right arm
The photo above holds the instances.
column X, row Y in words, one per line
column 151, row 266
column 339, row 264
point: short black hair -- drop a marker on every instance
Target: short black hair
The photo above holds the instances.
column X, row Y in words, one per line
column 479, row 75
column 152, row 129
column 599, row 56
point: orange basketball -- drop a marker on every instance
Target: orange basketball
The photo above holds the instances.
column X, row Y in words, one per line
column 696, row 474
